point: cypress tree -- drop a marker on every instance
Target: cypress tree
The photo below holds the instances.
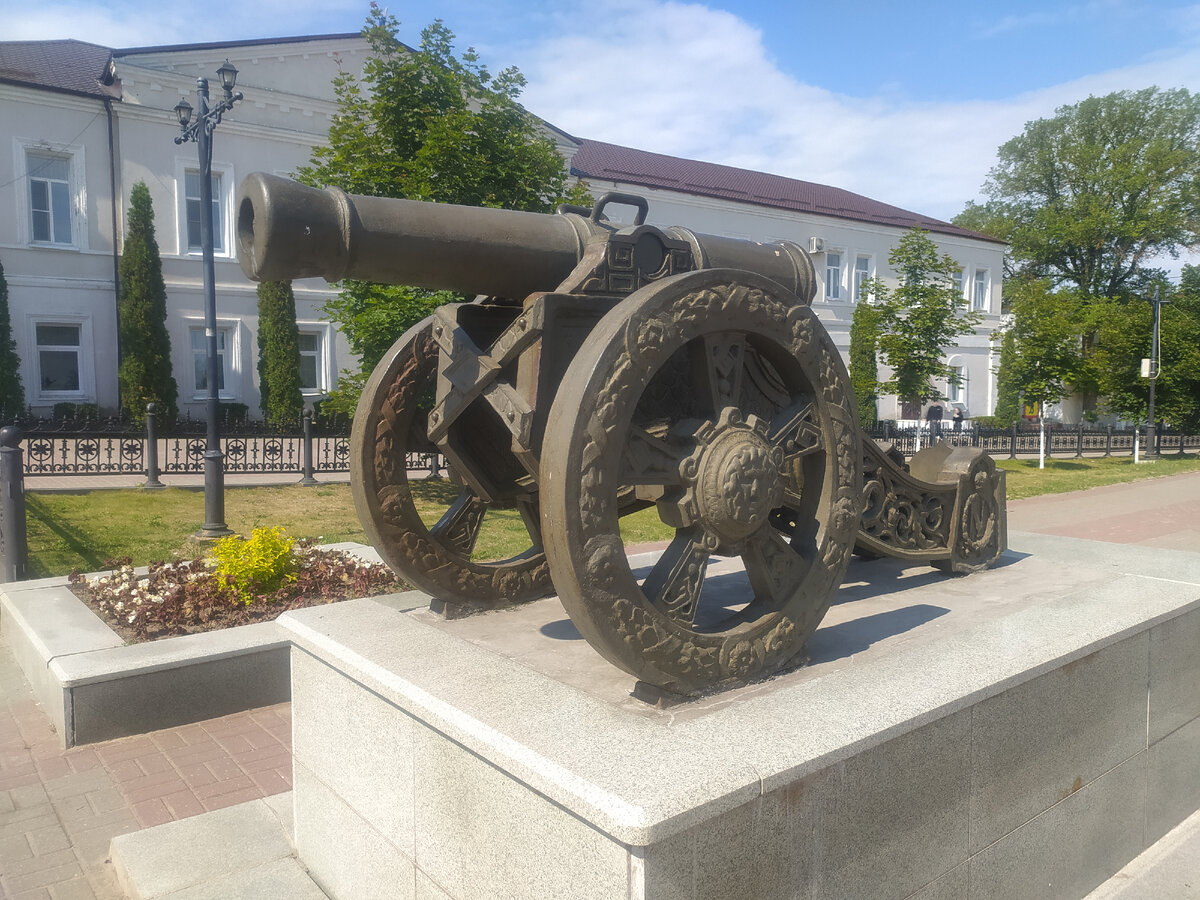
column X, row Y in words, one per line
column 144, row 375
column 864, row 368
column 278, row 355
column 1008, row 385
column 12, row 395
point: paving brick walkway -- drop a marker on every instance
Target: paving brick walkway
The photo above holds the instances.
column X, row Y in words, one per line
column 59, row 809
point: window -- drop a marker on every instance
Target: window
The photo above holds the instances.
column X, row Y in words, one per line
column 60, row 366
column 862, row 272
column 981, row 289
column 959, row 279
column 312, row 368
column 199, row 343
column 49, row 198
column 833, row 275
column 192, row 206
column 957, row 393
column 58, row 347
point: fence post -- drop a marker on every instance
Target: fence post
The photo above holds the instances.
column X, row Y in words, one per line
column 1079, row 441
column 306, row 449
column 1012, row 444
column 1108, row 440
column 974, row 434
column 152, row 469
column 435, row 468
column 14, row 552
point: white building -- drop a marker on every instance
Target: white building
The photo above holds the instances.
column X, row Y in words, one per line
column 849, row 237
column 81, row 124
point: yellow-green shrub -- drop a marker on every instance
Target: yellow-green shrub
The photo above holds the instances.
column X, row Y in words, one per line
column 260, row 564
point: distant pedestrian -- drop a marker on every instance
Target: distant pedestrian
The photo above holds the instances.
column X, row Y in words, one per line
column 933, row 418
column 957, row 420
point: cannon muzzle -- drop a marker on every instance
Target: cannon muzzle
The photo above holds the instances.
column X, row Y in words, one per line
column 286, row 230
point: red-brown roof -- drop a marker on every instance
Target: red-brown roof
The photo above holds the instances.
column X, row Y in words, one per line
column 611, row 162
column 70, row 66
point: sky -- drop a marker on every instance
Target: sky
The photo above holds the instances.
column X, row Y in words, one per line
column 903, row 102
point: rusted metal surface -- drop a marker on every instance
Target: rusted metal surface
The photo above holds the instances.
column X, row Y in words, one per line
column 604, row 370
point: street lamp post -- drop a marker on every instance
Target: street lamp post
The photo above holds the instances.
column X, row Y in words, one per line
column 1156, row 303
column 201, row 131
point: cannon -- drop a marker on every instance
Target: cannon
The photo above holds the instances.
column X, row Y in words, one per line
column 604, row 370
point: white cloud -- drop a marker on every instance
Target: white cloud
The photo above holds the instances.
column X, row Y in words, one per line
column 687, row 80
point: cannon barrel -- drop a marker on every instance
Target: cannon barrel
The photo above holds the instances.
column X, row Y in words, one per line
column 286, row 230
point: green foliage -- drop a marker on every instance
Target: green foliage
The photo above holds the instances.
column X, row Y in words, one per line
column 426, row 124
column 1122, row 338
column 920, row 318
column 259, row 564
column 1087, row 196
column 1045, row 355
column 12, row 394
column 144, row 374
column 67, row 411
column 1008, row 388
column 864, row 366
column 279, row 356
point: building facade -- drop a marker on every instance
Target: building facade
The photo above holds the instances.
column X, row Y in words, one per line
column 81, row 124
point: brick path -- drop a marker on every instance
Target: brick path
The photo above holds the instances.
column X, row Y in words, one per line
column 59, row 809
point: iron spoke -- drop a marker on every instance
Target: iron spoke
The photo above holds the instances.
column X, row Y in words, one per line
column 775, row 568
column 675, row 582
column 459, row 526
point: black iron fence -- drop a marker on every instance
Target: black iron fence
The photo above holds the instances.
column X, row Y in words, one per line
column 67, row 449
column 1061, row 441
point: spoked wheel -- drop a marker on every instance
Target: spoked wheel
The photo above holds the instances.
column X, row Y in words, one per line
column 720, row 397
column 434, row 553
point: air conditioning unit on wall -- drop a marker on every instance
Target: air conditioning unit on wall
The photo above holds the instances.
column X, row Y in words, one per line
column 816, row 245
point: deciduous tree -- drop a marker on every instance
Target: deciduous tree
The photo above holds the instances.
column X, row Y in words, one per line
column 1045, row 360
column 919, row 319
column 426, row 124
column 278, row 356
column 144, row 374
column 1089, row 196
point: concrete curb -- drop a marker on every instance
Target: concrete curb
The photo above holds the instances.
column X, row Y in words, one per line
column 94, row 687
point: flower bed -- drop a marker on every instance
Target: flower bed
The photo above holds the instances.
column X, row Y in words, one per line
column 223, row 589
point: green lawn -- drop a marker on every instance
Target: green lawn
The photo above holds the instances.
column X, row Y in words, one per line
column 84, row 530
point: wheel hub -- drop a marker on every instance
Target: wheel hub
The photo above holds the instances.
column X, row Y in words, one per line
column 737, row 478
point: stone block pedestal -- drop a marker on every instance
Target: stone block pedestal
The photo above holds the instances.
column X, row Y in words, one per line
column 1022, row 732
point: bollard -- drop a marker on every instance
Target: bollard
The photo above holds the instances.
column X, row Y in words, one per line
column 1012, row 446
column 152, row 470
column 306, row 449
column 14, row 552
column 1079, row 441
column 1108, row 440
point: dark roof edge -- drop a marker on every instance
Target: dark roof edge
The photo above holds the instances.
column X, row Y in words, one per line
column 252, row 42
column 56, row 89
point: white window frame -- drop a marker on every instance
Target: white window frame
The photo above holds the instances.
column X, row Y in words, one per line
column 861, row 275
column 87, row 368
column 958, row 394
column 76, row 187
column 324, row 356
column 223, row 198
column 834, row 288
column 983, row 303
column 959, row 280
column 230, row 358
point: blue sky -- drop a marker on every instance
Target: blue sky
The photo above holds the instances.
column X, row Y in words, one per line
column 906, row 103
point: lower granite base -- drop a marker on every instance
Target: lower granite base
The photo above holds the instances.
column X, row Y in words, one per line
column 1021, row 749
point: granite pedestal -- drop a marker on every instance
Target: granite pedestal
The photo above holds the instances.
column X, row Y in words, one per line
column 1022, row 732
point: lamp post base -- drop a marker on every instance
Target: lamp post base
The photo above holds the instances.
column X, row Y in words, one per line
column 214, row 526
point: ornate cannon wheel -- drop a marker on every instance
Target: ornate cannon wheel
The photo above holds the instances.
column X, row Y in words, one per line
column 435, row 558
column 720, row 397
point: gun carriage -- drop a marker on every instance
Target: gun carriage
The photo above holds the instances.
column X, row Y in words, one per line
column 602, row 370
